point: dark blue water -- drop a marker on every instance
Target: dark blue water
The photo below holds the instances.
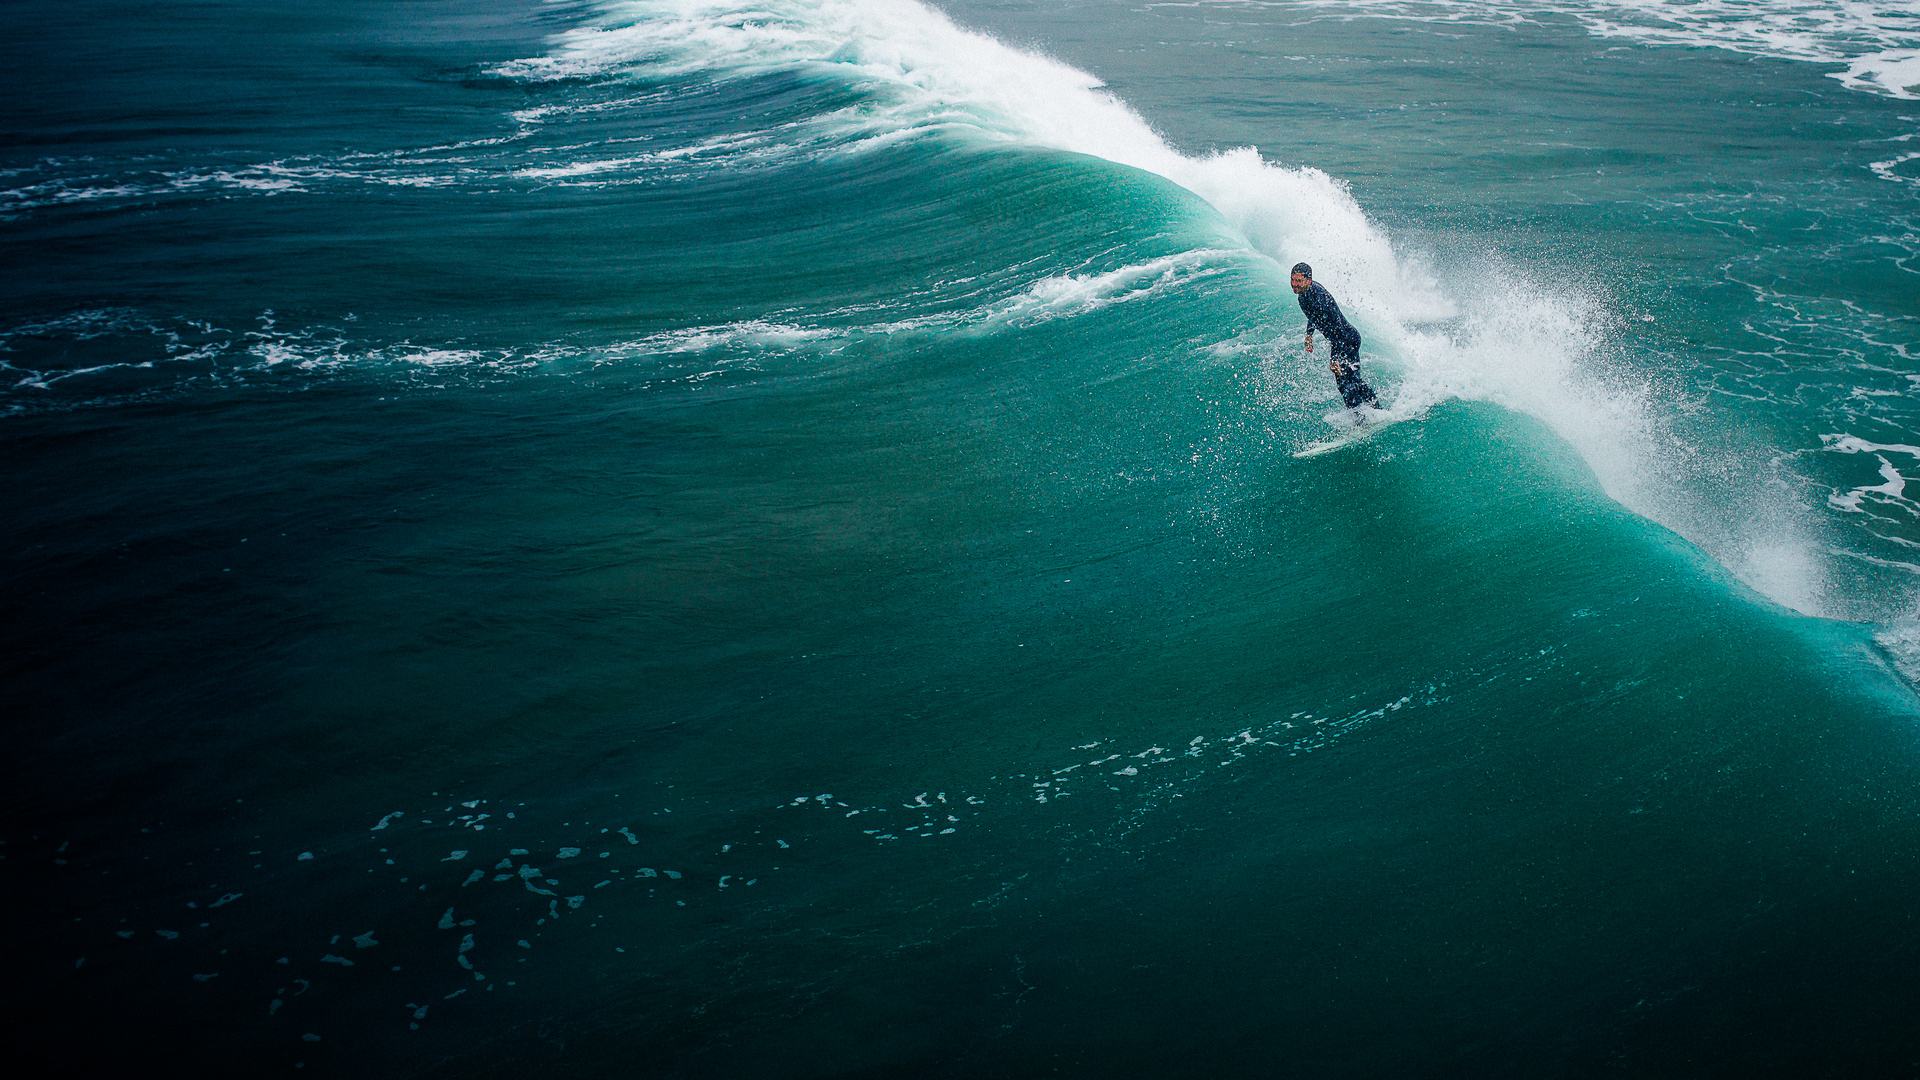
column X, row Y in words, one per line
column 670, row 539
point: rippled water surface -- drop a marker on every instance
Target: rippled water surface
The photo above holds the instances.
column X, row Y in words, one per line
column 690, row 539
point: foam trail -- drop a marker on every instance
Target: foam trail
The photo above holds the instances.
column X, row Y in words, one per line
column 1891, row 493
column 1879, row 43
column 1516, row 344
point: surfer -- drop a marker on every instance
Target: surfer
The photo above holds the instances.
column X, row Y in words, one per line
column 1342, row 339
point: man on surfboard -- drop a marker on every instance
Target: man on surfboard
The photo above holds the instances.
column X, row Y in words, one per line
column 1342, row 339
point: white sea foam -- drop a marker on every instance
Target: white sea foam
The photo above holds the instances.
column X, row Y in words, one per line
column 753, row 333
column 1887, row 170
column 1878, row 42
column 84, row 182
column 1068, row 295
column 1053, row 297
column 575, row 169
column 434, row 358
column 1888, row 499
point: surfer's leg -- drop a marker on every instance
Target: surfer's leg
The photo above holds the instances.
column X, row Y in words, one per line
column 1346, row 375
column 1354, row 390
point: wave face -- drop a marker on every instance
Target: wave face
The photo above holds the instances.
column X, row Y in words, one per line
column 767, row 539
column 1544, row 351
column 1537, row 349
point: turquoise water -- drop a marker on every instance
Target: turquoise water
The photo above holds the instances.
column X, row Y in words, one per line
column 690, row 540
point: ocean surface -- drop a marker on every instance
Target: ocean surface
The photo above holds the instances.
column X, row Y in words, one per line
column 666, row 538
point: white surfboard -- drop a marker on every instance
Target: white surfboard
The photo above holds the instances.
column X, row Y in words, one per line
column 1356, row 425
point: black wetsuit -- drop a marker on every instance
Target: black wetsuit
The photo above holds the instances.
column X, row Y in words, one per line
column 1344, row 341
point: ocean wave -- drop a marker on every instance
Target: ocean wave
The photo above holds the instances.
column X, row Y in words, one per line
column 1547, row 350
column 903, row 71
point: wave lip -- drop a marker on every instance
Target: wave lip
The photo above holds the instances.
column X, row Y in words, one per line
column 922, row 74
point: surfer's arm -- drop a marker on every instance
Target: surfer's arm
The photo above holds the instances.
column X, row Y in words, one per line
column 1309, row 337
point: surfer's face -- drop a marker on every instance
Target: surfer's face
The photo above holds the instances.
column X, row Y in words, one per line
column 1301, row 282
